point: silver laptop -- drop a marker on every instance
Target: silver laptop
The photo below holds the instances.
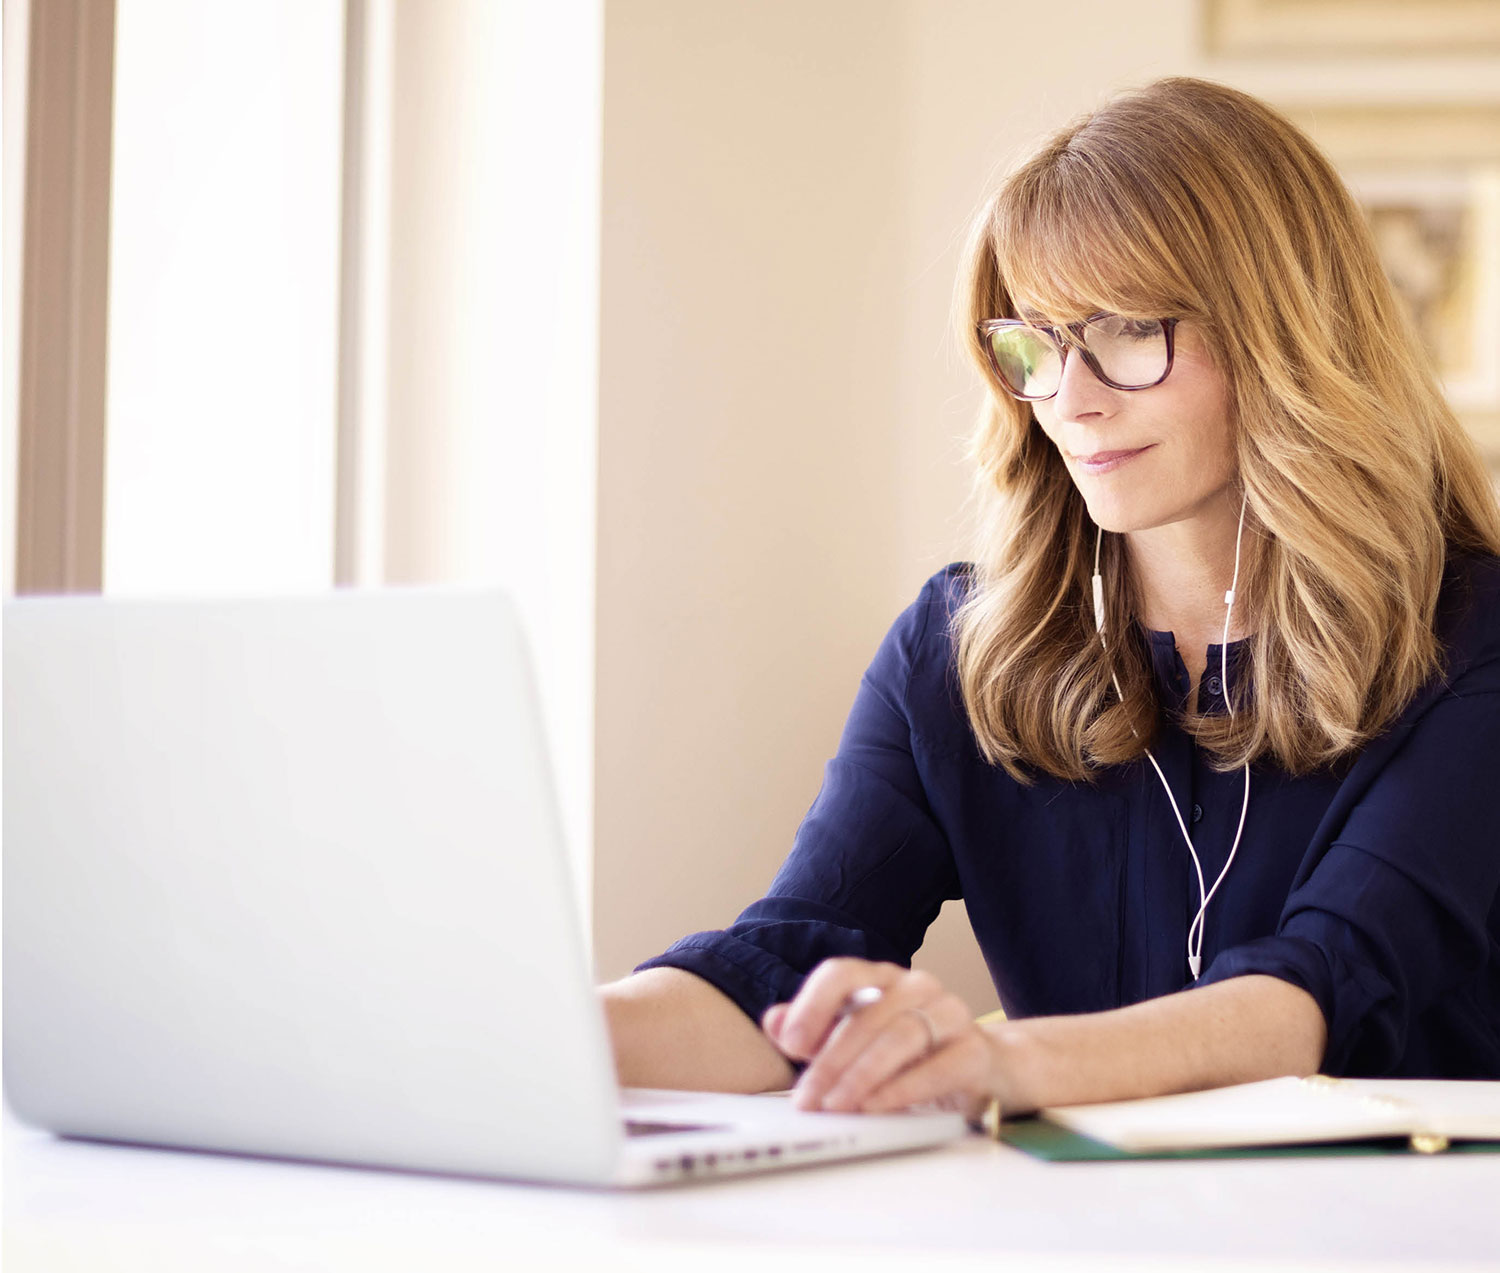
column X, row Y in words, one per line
column 286, row 877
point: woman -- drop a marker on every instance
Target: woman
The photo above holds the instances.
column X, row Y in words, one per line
column 1204, row 736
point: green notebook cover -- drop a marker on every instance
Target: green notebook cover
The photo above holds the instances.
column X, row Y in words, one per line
column 1052, row 1143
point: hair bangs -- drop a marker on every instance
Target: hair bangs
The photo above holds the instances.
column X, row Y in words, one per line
column 1069, row 244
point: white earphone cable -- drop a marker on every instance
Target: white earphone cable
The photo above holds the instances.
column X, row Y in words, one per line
column 1195, row 957
column 1196, row 928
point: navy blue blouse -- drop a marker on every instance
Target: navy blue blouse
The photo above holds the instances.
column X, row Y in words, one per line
column 1371, row 885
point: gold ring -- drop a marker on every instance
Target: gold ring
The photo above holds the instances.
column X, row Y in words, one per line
column 932, row 1034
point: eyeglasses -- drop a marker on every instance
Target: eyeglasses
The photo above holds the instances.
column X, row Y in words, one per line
column 1125, row 353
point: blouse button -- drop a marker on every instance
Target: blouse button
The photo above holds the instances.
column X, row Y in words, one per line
column 1197, row 813
column 1214, row 685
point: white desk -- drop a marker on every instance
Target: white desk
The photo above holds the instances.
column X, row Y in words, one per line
column 77, row 1206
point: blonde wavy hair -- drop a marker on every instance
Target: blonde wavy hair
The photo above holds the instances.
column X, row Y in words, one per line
column 1191, row 200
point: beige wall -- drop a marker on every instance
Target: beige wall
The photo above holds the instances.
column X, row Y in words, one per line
column 781, row 416
column 488, row 394
column 748, row 523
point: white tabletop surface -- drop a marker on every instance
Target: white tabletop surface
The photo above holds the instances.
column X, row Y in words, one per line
column 76, row 1205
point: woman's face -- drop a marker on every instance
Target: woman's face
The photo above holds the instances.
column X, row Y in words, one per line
column 1146, row 457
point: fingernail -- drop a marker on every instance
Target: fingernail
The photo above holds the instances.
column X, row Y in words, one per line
column 838, row 1101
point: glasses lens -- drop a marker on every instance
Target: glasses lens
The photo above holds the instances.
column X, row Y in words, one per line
column 1131, row 351
column 1027, row 361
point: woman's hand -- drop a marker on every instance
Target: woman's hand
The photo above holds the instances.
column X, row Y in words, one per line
column 916, row 1044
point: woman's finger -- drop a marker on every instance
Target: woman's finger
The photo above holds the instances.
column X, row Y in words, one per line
column 819, row 1007
column 956, row 1074
column 857, row 1026
column 904, row 1041
column 774, row 1017
column 873, row 1047
column 771, row 1021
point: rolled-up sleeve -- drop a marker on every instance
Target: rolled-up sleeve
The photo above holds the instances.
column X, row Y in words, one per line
column 868, row 870
column 1394, row 915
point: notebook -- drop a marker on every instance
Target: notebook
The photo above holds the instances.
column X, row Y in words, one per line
column 1426, row 1115
column 286, row 877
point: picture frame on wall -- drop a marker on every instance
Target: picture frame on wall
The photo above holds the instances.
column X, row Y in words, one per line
column 1438, row 235
column 1428, row 178
column 1317, row 28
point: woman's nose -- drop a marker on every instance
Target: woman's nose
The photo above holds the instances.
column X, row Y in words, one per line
column 1080, row 393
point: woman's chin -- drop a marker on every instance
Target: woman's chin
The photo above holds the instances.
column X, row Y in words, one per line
column 1119, row 517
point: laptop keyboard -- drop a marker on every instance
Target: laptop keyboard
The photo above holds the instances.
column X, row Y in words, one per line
column 638, row 1127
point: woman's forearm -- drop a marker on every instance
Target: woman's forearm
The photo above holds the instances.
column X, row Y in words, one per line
column 1234, row 1031
column 672, row 1029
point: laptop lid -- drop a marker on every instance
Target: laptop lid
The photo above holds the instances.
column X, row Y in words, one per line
column 286, row 877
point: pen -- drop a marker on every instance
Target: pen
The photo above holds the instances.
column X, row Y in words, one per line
column 861, row 998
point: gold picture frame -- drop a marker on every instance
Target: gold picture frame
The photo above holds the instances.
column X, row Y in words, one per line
column 1428, row 178
column 1438, row 234
column 1316, row 28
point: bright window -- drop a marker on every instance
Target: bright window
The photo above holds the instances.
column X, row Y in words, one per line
column 223, row 319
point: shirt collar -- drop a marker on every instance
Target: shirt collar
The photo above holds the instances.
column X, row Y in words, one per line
column 1170, row 673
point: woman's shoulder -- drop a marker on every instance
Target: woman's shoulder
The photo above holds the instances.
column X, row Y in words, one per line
column 951, row 585
column 923, row 640
column 926, row 626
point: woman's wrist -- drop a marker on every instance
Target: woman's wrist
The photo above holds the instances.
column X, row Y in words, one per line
column 1235, row 1031
column 1012, row 1069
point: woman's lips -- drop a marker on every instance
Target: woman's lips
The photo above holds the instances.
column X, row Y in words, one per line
column 1107, row 461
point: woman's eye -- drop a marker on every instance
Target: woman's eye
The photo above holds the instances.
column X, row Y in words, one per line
column 1118, row 327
